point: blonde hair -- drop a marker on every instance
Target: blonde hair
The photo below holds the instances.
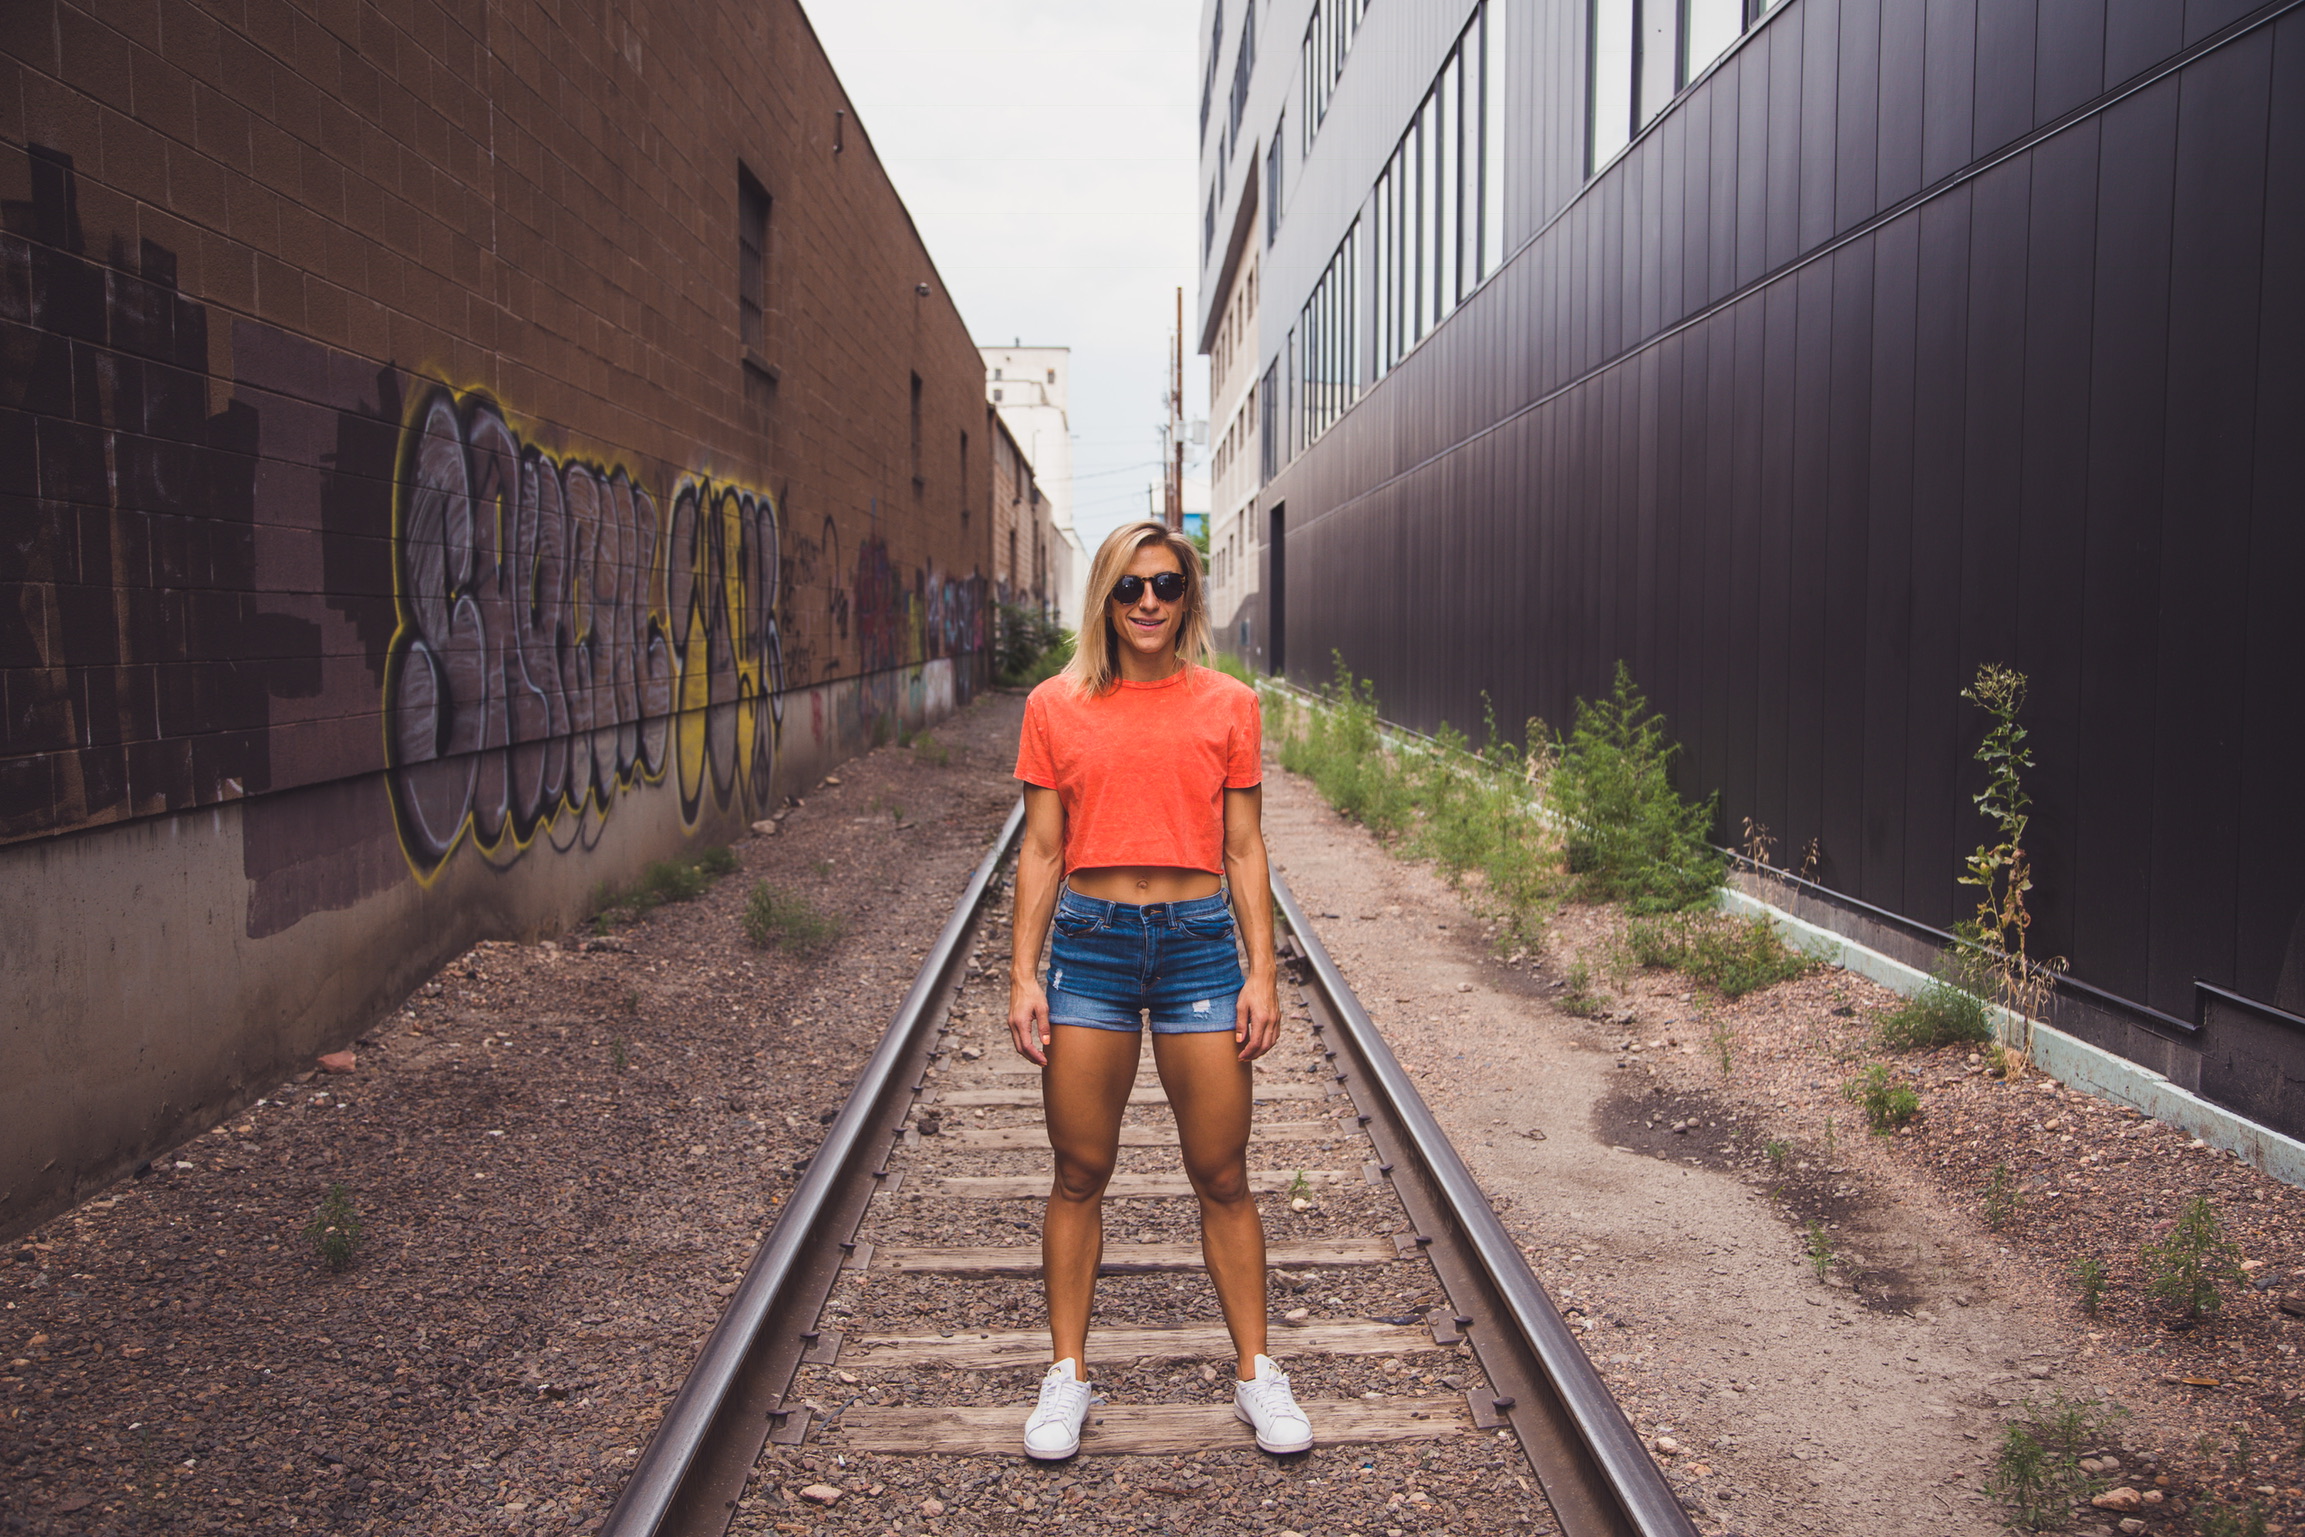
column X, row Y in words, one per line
column 1095, row 665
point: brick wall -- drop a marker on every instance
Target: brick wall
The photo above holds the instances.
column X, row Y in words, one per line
column 390, row 489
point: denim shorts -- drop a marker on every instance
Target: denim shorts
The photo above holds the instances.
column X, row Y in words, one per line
column 1111, row 960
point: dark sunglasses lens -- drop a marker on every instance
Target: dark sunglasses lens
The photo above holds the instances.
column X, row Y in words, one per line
column 1169, row 586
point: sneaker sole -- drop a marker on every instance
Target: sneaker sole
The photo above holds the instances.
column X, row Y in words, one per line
column 1070, row 1451
column 1278, row 1450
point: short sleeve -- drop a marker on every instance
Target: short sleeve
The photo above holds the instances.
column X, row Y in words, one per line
column 1035, row 764
column 1245, row 766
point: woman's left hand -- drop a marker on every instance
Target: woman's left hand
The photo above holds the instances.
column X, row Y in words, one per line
column 1257, row 1018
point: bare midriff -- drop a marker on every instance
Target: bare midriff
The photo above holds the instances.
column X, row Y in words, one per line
column 1140, row 884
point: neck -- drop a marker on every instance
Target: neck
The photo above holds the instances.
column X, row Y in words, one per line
column 1136, row 667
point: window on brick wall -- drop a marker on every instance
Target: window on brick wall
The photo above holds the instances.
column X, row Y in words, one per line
column 752, row 262
column 918, row 479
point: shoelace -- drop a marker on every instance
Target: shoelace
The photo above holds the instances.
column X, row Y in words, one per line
column 1052, row 1389
column 1272, row 1395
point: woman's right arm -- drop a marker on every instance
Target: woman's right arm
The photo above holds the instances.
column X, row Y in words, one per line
column 1039, row 872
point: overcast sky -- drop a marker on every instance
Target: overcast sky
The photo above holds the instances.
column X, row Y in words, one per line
column 1045, row 148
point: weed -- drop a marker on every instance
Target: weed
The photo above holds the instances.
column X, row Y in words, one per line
column 1635, row 839
column 2002, row 872
column 2037, row 1472
column 789, row 923
column 661, row 881
column 2000, row 1197
column 1578, row 997
column 1940, row 1014
column 2194, row 1263
column 2223, row 1520
column 927, row 749
column 1343, row 751
column 1734, row 955
column 619, row 1056
column 2089, row 1280
column 822, row 867
column 1777, row 1152
column 1828, row 1140
column 1819, row 1248
column 632, row 1000
column 1888, row 1104
column 2000, row 1061
column 1027, row 646
column 1722, row 1041
column 1300, row 1189
column 1233, row 667
column 334, row 1231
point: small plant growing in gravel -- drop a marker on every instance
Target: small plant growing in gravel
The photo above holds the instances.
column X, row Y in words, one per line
column 1300, row 1189
column 1777, row 1152
column 2002, row 872
column 2222, row 1520
column 2192, row 1266
column 772, row 919
column 1636, row 840
column 927, row 749
column 1828, row 1139
column 1940, row 1014
column 1734, row 955
column 2000, row 1197
column 661, row 881
column 334, row 1231
column 2089, row 1280
column 1722, row 1041
column 1819, row 1247
column 1577, row 996
column 618, row 1056
column 2037, row 1472
column 1887, row 1103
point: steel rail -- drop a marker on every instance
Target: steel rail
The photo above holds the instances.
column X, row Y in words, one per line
column 1595, row 1472
column 722, row 1415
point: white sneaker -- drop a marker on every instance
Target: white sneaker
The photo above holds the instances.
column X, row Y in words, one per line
column 1269, row 1406
column 1053, row 1431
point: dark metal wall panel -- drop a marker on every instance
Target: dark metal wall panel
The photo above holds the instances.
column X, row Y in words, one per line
column 2270, row 932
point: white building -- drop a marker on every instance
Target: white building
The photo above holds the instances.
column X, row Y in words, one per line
column 1028, row 386
column 1234, row 473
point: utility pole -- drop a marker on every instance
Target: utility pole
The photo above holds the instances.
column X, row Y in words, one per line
column 1175, row 468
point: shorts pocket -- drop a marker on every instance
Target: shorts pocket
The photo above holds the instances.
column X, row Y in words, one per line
column 1075, row 925
column 1213, row 926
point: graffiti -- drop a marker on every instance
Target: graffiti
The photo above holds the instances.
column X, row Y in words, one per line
column 561, row 641
column 940, row 616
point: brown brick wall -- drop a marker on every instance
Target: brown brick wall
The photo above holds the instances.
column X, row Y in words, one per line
column 246, row 244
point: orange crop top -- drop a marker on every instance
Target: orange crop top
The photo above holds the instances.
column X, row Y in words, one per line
column 1141, row 770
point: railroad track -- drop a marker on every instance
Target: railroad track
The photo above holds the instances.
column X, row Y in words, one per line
column 891, row 1317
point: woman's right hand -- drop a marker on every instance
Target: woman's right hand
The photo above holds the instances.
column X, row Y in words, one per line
column 1028, row 1020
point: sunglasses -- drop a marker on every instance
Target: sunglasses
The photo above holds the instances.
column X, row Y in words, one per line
column 1169, row 586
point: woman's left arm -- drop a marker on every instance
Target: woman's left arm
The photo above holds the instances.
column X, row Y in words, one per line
column 1257, row 1023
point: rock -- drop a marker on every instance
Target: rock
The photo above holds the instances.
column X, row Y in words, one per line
column 2293, row 1303
column 2132, row 1524
column 822, row 1494
column 1296, row 1315
column 829, row 779
column 970, row 1053
column 2037, row 1373
column 339, row 1062
column 2108, row 1464
column 1300, row 1204
column 766, row 827
column 2123, row 1498
column 1666, row 1446
column 932, row 1507
column 1464, row 987
column 2155, row 1496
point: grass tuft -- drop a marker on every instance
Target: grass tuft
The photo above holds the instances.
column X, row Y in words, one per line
column 2037, row 1471
column 1887, row 1104
column 1736, row 956
column 661, row 881
column 334, row 1231
column 792, row 924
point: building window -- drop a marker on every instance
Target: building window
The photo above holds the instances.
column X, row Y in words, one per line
column 996, row 397
column 1052, row 376
column 1268, row 435
column 1209, row 72
column 918, row 480
column 1643, row 53
column 1273, row 180
column 996, row 373
column 1209, row 226
column 964, row 478
column 1439, row 200
column 1330, row 328
column 1244, row 60
column 1328, row 38
column 751, row 261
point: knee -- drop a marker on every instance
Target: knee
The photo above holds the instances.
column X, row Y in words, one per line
column 1080, row 1179
column 1223, row 1184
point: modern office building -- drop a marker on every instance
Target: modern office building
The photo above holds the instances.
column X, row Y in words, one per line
column 1804, row 358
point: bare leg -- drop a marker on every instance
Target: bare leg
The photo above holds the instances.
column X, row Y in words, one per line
column 1084, row 1089
column 1209, row 1089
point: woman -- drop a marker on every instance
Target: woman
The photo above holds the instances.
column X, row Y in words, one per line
column 1142, row 779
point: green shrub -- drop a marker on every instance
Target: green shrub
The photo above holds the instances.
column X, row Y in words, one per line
column 2089, row 1280
column 1734, row 955
column 927, row 749
column 1342, row 750
column 1578, row 997
column 334, row 1231
column 2191, row 1267
column 1818, row 1246
column 1887, row 1103
column 1233, row 667
column 788, row 923
column 1632, row 838
column 1940, row 1014
column 2037, row 1471
column 2000, row 1197
column 661, row 881
column 1028, row 647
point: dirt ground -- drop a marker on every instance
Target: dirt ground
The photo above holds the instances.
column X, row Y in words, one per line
column 1867, row 1400
column 561, row 1156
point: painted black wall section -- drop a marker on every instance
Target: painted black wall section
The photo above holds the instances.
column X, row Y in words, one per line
column 1922, row 333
